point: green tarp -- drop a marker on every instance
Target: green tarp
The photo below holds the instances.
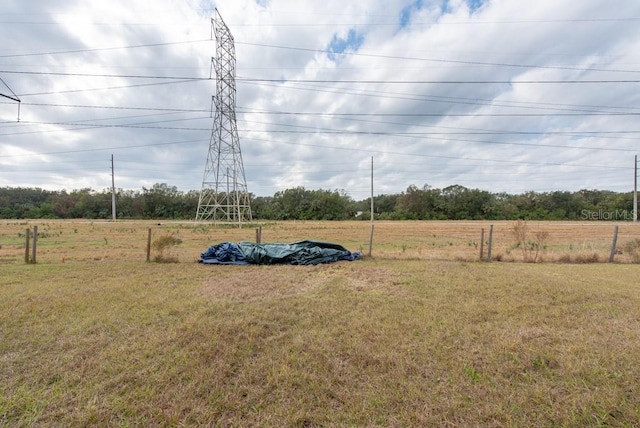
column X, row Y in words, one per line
column 297, row 253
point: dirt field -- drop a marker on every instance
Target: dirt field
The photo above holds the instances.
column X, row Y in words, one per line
column 573, row 242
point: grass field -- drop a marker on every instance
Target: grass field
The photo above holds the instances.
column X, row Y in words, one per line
column 80, row 241
column 420, row 334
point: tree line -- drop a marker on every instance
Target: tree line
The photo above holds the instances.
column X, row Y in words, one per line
column 162, row 201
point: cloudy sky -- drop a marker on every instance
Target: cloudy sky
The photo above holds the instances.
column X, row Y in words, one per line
column 502, row 95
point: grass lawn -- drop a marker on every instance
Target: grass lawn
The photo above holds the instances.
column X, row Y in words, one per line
column 384, row 341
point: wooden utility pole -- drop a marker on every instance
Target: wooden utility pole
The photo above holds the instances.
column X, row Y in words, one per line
column 371, row 235
column 113, row 191
column 635, row 188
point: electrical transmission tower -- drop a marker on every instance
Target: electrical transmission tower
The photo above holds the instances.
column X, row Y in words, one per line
column 224, row 196
column 13, row 98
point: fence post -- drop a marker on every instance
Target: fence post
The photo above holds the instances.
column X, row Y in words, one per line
column 613, row 245
column 26, row 246
column 481, row 243
column 149, row 245
column 259, row 235
column 35, row 241
column 490, row 243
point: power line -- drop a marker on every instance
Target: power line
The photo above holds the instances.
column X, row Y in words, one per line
column 120, row 76
column 416, row 97
column 74, row 51
column 440, row 82
column 136, row 146
column 178, row 110
column 580, row 108
column 365, row 150
column 394, row 23
column 329, row 131
column 332, row 81
column 108, row 88
column 14, row 97
column 355, row 116
column 438, row 60
column 368, row 150
column 83, row 122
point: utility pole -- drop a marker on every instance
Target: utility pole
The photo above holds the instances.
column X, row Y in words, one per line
column 371, row 235
column 635, row 188
column 372, row 189
column 113, row 191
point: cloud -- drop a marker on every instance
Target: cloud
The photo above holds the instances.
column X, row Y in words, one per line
column 486, row 94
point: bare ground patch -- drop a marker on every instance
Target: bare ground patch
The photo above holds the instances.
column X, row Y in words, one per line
column 242, row 283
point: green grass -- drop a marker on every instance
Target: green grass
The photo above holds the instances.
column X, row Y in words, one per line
column 368, row 343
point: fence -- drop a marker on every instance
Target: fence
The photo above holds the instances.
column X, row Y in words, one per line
column 60, row 241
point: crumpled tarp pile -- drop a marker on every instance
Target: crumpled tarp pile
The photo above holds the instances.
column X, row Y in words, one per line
column 297, row 253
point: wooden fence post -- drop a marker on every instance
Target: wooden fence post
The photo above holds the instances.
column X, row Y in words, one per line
column 490, row 243
column 149, row 245
column 35, row 241
column 613, row 245
column 481, row 243
column 259, row 235
column 26, row 246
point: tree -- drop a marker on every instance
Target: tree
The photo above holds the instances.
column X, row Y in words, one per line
column 63, row 204
column 330, row 205
column 452, row 202
column 414, row 203
column 472, row 204
column 292, row 204
column 159, row 201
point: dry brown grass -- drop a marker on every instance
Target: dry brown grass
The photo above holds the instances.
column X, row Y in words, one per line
column 418, row 335
column 376, row 342
column 574, row 242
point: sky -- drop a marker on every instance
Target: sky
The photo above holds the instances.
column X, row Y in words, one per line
column 500, row 95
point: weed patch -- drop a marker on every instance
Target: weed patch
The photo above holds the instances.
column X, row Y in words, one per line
column 633, row 249
column 531, row 249
column 164, row 248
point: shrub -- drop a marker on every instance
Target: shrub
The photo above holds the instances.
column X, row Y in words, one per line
column 531, row 249
column 633, row 249
column 565, row 258
column 587, row 258
column 165, row 244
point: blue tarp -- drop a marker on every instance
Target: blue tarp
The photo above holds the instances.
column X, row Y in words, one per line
column 297, row 253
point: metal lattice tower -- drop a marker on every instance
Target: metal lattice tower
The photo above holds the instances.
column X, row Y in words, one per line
column 224, row 196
